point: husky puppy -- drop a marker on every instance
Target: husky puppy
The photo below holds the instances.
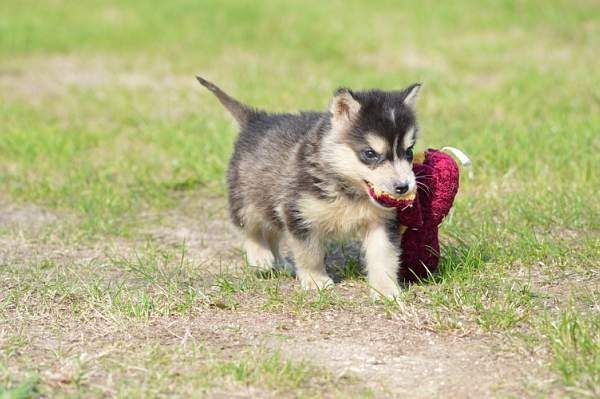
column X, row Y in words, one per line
column 314, row 176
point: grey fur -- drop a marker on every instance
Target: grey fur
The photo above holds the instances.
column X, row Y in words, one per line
column 279, row 159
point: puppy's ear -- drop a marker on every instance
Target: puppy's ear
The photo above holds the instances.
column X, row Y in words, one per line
column 411, row 94
column 344, row 106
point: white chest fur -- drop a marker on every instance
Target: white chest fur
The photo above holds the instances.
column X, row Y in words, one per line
column 341, row 218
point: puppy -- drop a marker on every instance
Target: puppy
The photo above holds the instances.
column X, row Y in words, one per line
column 315, row 176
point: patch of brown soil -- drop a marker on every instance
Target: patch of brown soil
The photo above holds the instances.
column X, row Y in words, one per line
column 29, row 217
column 202, row 225
column 27, row 237
column 390, row 358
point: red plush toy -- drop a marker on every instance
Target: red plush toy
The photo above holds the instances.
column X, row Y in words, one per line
column 437, row 177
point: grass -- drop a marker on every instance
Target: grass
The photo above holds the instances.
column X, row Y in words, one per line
column 148, row 292
column 575, row 344
column 273, row 371
column 253, row 372
column 103, row 125
column 26, row 389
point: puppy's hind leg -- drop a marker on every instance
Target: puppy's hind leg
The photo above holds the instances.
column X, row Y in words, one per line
column 256, row 245
column 258, row 250
column 273, row 237
column 309, row 259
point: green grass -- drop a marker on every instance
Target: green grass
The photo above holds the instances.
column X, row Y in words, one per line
column 103, row 124
column 24, row 390
column 575, row 344
column 252, row 371
column 109, row 149
column 273, row 371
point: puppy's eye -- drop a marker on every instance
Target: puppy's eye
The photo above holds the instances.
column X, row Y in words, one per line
column 369, row 155
column 409, row 154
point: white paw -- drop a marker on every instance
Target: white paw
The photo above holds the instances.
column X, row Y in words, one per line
column 318, row 282
column 389, row 292
column 259, row 257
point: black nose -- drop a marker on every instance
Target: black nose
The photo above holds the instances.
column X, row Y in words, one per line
column 401, row 188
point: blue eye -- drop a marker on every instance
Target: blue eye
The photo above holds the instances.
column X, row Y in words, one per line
column 409, row 154
column 370, row 155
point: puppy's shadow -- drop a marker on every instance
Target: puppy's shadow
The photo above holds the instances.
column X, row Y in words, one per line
column 343, row 261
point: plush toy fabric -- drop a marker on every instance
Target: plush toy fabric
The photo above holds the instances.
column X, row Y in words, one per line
column 437, row 185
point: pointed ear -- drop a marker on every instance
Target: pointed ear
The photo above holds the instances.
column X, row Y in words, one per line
column 344, row 106
column 412, row 92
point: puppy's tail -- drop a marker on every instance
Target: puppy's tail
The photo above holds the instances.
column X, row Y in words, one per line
column 241, row 113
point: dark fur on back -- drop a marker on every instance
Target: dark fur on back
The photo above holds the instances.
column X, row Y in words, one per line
column 264, row 167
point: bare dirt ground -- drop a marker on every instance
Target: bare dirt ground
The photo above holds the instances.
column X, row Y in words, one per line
column 390, row 354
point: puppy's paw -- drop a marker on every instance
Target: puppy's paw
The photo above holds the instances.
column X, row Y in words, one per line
column 258, row 258
column 318, row 282
column 387, row 292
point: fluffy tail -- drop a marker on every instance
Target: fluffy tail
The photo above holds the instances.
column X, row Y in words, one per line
column 240, row 112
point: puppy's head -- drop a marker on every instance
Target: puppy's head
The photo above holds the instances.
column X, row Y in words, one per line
column 371, row 142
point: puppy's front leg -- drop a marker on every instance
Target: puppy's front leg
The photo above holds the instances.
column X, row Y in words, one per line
column 382, row 255
column 309, row 258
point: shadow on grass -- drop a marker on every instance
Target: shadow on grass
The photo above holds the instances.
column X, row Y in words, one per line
column 344, row 261
column 459, row 258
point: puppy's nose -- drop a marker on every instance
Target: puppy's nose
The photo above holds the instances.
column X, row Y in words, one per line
column 401, row 188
